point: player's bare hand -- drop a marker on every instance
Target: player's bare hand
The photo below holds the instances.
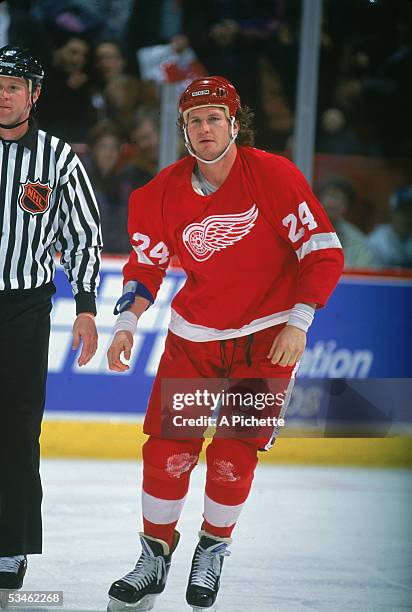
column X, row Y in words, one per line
column 122, row 343
column 288, row 346
column 84, row 331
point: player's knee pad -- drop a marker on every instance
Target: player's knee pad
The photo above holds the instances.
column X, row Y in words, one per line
column 231, row 462
column 170, row 460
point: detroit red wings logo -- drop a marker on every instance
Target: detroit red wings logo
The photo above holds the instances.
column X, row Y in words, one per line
column 34, row 197
column 218, row 232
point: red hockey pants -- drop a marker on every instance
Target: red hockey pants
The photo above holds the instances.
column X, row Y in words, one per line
column 168, row 463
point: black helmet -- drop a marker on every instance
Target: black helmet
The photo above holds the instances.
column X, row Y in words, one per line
column 17, row 62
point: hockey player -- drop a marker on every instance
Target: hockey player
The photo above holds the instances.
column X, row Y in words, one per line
column 260, row 256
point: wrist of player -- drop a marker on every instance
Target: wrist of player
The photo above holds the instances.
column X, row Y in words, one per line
column 127, row 322
column 301, row 316
column 134, row 294
column 89, row 315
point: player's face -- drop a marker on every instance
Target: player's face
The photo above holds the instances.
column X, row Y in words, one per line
column 15, row 100
column 208, row 130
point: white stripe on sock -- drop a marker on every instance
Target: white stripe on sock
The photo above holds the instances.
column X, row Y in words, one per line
column 220, row 515
column 161, row 511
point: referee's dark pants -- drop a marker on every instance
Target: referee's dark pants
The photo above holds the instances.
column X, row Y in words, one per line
column 24, row 343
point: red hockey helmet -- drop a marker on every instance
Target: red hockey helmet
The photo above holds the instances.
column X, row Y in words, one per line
column 209, row 91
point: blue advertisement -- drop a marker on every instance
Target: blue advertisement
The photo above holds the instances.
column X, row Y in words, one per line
column 364, row 333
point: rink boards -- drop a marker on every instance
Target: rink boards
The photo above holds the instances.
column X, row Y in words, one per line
column 362, row 337
column 117, row 440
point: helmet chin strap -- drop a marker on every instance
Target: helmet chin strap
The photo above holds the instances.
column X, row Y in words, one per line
column 232, row 139
column 11, row 127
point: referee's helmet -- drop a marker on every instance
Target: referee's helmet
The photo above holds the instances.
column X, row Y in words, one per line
column 18, row 62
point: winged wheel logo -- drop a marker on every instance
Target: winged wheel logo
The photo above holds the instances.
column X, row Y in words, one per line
column 218, row 232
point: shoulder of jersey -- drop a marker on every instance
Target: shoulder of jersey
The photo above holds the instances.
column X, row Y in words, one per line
column 268, row 162
column 55, row 139
column 162, row 179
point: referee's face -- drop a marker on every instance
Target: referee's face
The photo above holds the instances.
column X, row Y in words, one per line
column 15, row 100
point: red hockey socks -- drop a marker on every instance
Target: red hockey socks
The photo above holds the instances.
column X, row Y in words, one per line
column 167, row 465
column 230, row 468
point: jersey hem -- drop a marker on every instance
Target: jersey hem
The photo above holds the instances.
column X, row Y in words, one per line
column 200, row 333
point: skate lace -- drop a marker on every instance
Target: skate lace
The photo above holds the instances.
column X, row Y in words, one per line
column 147, row 569
column 10, row 564
column 207, row 567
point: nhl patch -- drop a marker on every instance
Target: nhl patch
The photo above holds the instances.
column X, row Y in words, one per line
column 34, row 197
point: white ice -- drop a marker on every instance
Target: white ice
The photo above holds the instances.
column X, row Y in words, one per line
column 310, row 538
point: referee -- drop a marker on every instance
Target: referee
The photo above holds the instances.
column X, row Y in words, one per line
column 46, row 205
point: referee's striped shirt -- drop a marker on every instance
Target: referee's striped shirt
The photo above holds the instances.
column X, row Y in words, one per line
column 46, row 205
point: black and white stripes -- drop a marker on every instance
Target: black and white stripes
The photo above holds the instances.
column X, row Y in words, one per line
column 46, row 205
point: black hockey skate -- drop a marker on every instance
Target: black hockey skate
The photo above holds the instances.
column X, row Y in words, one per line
column 204, row 579
column 12, row 571
column 140, row 587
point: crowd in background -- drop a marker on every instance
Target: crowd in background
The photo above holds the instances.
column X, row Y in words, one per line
column 102, row 92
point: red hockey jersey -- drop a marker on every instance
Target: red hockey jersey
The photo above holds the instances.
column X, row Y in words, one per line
column 254, row 248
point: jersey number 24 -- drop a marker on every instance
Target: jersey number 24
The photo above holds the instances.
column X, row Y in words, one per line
column 305, row 218
column 159, row 251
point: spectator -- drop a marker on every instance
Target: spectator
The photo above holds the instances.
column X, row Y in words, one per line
column 116, row 16
column 119, row 94
column 66, row 108
column 182, row 65
column 229, row 53
column 276, row 125
column 153, row 23
column 393, row 240
column 111, row 185
column 170, row 63
column 279, row 72
column 144, row 138
column 334, row 134
column 338, row 197
column 68, row 18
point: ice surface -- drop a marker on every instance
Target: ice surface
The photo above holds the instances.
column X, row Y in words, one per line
column 310, row 538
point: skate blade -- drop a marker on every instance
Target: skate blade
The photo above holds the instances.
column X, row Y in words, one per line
column 211, row 609
column 144, row 605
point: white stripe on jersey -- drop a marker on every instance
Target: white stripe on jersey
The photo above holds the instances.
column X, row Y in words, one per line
column 199, row 333
column 318, row 242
